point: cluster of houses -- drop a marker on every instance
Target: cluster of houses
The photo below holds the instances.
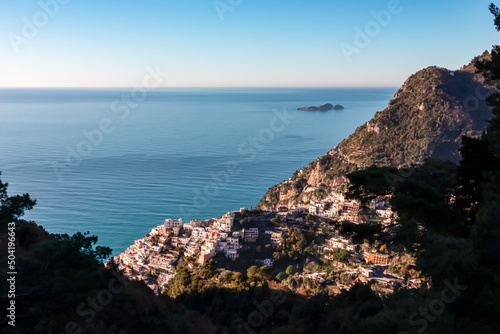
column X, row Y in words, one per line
column 145, row 258
column 205, row 239
column 334, row 244
column 155, row 255
column 337, row 206
column 153, row 258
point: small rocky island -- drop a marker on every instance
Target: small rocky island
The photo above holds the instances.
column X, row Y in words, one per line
column 324, row 107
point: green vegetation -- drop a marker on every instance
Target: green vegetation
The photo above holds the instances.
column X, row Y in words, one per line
column 281, row 276
column 426, row 119
column 339, row 255
column 12, row 208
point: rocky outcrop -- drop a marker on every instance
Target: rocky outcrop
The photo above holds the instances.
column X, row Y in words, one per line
column 308, row 108
column 324, row 107
column 427, row 118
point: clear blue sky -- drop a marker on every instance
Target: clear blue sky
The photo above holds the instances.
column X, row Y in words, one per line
column 109, row 43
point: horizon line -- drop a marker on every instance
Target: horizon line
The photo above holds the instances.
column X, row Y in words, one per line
column 163, row 87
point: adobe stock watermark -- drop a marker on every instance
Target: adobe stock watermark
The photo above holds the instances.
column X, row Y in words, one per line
column 248, row 150
column 120, row 110
column 262, row 311
column 402, row 175
column 87, row 310
column 372, row 29
column 474, row 102
column 223, row 6
column 420, row 320
column 31, row 26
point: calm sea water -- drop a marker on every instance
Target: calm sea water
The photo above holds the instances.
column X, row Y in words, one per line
column 106, row 162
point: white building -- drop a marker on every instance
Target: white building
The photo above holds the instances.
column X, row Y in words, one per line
column 161, row 261
column 268, row 262
column 192, row 224
column 226, row 222
column 191, row 249
column 367, row 272
column 339, row 243
column 232, row 243
column 313, row 210
column 299, row 209
column 232, row 254
column 156, row 248
column 173, row 223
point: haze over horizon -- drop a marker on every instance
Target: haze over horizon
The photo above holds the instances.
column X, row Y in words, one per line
column 237, row 43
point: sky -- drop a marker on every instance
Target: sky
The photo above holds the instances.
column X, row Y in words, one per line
column 236, row 43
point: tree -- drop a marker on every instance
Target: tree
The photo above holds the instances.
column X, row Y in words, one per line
column 301, row 244
column 289, row 270
column 265, row 273
column 209, row 268
column 372, row 182
column 341, row 255
column 13, row 207
column 311, row 250
column 472, row 172
column 237, row 278
column 281, row 276
column 496, row 13
column 181, row 281
column 84, row 243
column 252, row 271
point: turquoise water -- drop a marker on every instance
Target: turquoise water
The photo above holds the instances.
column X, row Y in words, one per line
column 100, row 160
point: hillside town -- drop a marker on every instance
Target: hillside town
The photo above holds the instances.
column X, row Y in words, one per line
column 153, row 258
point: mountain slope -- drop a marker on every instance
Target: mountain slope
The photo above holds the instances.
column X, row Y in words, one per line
column 426, row 119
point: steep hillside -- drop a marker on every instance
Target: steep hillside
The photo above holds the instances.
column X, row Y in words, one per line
column 427, row 118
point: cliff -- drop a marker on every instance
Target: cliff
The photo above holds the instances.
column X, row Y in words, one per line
column 426, row 119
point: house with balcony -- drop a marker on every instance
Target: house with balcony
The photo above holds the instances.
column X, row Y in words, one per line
column 173, row 223
column 250, row 234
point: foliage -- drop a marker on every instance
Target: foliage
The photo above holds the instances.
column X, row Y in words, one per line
column 369, row 183
column 281, row 276
column 209, row 268
column 12, row 208
column 361, row 232
column 340, row 255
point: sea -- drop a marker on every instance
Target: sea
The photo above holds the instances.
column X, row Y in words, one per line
column 118, row 162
